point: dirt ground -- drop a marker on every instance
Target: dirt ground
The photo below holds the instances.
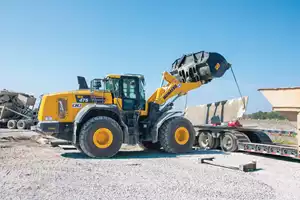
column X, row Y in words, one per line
column 29, row 170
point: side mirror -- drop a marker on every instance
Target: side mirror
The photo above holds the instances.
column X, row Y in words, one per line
column 96, row 84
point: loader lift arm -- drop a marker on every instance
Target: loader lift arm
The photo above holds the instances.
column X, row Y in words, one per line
column 189, row 72
column 172, row 88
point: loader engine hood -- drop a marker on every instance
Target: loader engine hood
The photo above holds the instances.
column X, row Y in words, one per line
column 200, row 66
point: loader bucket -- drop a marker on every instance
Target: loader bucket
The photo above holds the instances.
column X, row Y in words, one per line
column 201, row 66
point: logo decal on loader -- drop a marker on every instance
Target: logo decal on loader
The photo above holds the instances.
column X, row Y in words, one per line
column 89, row 99
column 83, row 98
column 76, row 105
column 170, row 91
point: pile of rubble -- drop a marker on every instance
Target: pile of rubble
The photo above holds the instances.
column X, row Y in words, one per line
column 17, row 110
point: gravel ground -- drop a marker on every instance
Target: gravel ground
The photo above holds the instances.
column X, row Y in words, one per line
column 33, row 171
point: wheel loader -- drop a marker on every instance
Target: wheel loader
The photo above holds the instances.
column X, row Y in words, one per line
column 113, row 110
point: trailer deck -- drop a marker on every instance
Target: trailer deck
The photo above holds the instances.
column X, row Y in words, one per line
column 246, row 141
column 236, row 138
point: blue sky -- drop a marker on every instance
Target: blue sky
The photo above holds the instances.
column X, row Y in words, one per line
column 46, row 44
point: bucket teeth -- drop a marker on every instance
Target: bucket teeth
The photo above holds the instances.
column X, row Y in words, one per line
column 200, row 66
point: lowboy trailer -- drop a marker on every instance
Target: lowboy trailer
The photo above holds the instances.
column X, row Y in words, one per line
column 233, row 137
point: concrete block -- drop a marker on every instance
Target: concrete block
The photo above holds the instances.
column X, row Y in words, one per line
column 248, row 167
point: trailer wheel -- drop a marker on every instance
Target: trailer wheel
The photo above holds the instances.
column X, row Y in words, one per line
column 21, row 124
column 229, row 143
column 12, row 124
column 206, row 140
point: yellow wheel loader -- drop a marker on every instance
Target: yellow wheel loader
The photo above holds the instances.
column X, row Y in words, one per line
column 114, row 111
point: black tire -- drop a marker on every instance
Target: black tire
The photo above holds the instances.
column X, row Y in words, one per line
column 12, row 124
column 229, row 142
column 263, row 137
column 87, row 132
column 21, row 124
column 167, row 135
column 150, row 145
column 206, row 141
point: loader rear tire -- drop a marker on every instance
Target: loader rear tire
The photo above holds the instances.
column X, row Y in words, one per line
column 101, row 137
column 177, row 135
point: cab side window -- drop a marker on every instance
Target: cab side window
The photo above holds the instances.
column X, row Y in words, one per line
column 129, row 88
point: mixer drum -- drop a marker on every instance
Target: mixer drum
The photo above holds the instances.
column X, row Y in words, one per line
column 201, row 66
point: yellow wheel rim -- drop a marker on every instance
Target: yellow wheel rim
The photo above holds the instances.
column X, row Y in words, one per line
column 182, row 135
column 103, row 138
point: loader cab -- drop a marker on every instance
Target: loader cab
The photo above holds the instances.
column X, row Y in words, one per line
column 129, row 89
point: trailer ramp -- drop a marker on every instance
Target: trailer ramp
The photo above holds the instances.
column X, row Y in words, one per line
column 286, row 101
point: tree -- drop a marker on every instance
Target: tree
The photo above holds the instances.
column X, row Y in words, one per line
column 266, row 115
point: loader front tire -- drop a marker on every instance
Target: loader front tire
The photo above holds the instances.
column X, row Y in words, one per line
column 101, row 137
column 177, row 135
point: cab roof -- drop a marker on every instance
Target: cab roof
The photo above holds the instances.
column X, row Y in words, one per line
column 140, row 76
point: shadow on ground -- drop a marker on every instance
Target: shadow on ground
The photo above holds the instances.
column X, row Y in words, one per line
column 142, row 154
